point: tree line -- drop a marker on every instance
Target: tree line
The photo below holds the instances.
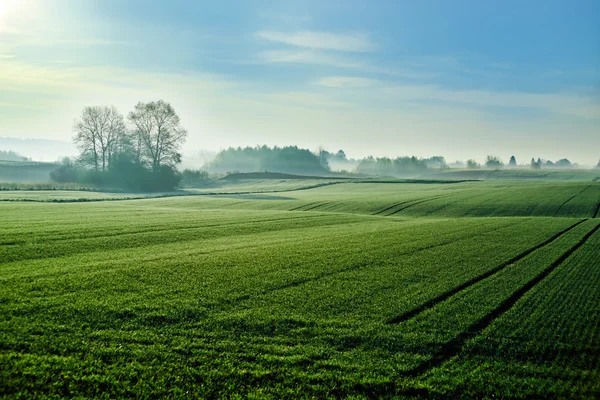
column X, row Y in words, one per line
column 139, row 152
column 294, row 160
column 399, row 165
column 9, row 155
column 495, row 163
column 288, row 159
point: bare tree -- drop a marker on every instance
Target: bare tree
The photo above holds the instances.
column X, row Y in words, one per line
column 114, row 129
column 158, row 133
column 96, row 133
column 86, row 135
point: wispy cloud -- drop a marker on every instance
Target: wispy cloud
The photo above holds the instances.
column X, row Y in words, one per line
column 317, row 57
column 85, row 42
column 565, row 103
column 379, row 94
column 306, row 99
column 7, row 56
column 307, row 57
column 62, row 82
column 346, row 82
column 355, row 42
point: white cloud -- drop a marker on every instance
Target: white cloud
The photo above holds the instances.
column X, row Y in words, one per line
column 301, row 99
column 378, row 119
column 346, row 82
column 84, row 42
column 307, row 57
column 356, row 42
column 573, row 104
column 316, row 57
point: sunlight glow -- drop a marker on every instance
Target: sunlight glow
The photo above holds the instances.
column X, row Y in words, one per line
column 11, row 8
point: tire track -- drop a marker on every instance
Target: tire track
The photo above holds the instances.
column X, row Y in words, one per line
column 419, row 202
column 569, row 199
column 455, row 346
column 436, row 210
column 303, row 205
column 444, row 296
column 317, row 205
column 392, row 206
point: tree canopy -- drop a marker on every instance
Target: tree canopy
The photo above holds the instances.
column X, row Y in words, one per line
column 493, row 162
column 288, row 159
column 159, row 134
column 141, row 157
column 10, row 155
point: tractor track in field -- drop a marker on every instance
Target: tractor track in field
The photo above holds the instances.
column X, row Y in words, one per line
column 455, row 346
column 446, row 295
column 597, row 213
column 419, row 202
column 571, row 198
column 436, row 210
column 318, row 205
column 299, row 208
column 311, row 206
column 392, row 206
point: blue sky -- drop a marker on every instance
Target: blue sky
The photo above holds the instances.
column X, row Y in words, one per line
column 458, row 78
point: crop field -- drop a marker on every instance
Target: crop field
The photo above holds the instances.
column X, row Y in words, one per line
column 304, row 289
column 571, row 174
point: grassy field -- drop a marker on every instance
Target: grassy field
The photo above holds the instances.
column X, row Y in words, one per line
column 571, row 174
column 303, row 288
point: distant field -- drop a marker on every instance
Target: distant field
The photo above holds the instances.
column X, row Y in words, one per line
column 303, row 288
column 461, row 199
column 528, row 174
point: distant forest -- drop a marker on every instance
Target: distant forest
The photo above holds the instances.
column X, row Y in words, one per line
column 145, row 156
column 12, row 156
column 290, row 159
column 294, row 160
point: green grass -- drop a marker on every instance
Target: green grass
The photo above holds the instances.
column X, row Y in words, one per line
column 545, row 174
column 471, row 289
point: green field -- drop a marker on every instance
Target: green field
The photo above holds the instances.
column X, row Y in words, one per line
column 303, row 289
column 570, row 174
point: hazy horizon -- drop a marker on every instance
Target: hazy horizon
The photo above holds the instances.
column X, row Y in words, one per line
column 461, row 80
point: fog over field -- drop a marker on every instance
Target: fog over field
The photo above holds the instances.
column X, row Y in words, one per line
column 421, row 79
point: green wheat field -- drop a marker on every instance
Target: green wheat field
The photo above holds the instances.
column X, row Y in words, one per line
column 303, row 289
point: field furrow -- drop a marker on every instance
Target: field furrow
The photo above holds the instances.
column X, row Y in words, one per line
column 431, row 303
column 571, row 198
column 549, row 341
column 506, row 292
